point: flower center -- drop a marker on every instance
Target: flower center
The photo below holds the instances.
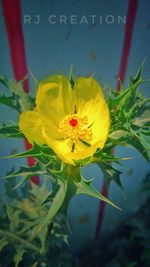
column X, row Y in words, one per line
column 76, row 128
column 73, row 122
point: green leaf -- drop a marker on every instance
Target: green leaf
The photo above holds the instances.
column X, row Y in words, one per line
column 22, row 181
column 127, row 105
column 54, row 207
column 23, row 100
column 11, row 131
column 85, row 187
column 13, row 216
column 138, row 75
column 57, row 202
column 145, row 139
column 43, row 154
column 10, row 102
column 26, row 173
column 35, row 151
column 101, row 156
column 71, row 190
column 122, row 97
column 110, row 174
column 118, row 138
column 4, row 81
column 140, row 143
column 140, row 122
column 15, row 239
column 23, row 171
column 3, row 243
column 40, row 193
column 18, row 257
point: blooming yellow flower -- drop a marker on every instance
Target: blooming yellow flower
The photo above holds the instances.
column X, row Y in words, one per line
column 73, row 121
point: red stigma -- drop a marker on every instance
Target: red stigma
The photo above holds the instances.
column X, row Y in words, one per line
column 73, row 122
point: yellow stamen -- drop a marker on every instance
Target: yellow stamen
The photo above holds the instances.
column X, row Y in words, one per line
column 75, row 128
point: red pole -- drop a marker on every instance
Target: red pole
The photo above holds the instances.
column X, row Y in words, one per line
column 132, row 10
column 131, row 16
column 12, row 15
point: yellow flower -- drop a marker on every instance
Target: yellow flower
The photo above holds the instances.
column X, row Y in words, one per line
column 74, row 122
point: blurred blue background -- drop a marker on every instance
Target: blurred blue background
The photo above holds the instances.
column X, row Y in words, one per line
column 90, row 48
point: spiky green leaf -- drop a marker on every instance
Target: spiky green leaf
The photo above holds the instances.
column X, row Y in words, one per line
column 11, row 131
column 110, row 174
column 25, row 173
column 85, row 187
column 9, row 101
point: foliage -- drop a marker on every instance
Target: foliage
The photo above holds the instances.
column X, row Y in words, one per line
column 41, row 209
column 23, row 212
column 129, row 245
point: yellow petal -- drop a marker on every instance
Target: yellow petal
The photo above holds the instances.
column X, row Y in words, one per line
column 63, row 149
column 60, row 147
column 54, row 98
column 101, row 126
column 31, row 126
column 90, row 102
column 50, row 128
column 82, row 151
column 88, row 94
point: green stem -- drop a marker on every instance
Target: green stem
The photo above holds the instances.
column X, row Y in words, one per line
column 20, row 240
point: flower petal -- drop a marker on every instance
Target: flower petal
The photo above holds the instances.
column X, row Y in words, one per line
column 63, row 149
column 51, row 129
column 82, row 151
column 100, row 128
column 60, row 147
column 90, row 102
column 31, row 126
column 54, row 98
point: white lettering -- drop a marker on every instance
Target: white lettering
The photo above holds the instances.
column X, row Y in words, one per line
column 37, row 19
column 93, row 17
column 27, row 19
column 100, row 19
column 83, row 20
column 52, row 19
column 73, row 19
column 110, row 19
column 63, row 19
column 122, row 19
